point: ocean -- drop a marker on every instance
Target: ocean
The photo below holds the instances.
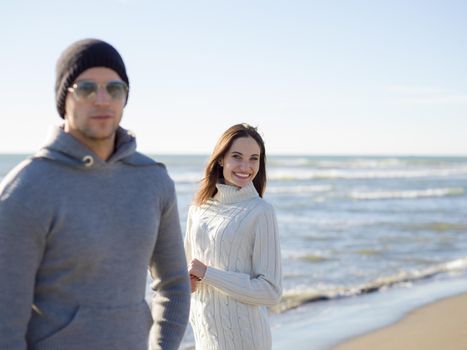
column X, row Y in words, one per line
column 353, row 226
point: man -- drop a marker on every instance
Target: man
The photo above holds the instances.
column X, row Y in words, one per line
column 81, row 221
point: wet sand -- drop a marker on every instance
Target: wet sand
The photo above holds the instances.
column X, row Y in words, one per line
column 441, row 325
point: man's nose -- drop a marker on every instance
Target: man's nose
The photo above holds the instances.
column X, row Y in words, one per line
column 102, row 97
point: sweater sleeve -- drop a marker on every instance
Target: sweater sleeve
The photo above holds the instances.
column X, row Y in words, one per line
column 22, row 244
column 264, row 286
column 171, row 300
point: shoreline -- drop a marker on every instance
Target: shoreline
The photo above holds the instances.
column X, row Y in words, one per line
column 328, row 324
column 439, row 325
column 334, row 324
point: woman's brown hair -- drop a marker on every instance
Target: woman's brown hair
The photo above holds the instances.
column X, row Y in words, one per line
column 213, row 171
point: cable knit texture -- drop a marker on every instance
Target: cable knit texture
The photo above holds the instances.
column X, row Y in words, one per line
column 235, row 234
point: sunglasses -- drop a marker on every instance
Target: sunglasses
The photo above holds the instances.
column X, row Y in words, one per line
column 87, row 89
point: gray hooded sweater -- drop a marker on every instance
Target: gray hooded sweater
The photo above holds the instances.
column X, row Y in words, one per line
column 77, row 235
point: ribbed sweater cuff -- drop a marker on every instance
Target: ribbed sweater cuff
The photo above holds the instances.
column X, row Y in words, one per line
column 211, row 276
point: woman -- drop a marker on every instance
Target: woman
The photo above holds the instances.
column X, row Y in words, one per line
column 232, row 246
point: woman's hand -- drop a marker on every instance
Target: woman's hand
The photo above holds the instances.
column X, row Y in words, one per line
column 194, row 283
column 197, row 269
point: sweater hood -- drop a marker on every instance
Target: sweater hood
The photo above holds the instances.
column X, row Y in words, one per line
column 64, row 148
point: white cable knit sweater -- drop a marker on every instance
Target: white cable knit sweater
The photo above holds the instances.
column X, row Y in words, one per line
column 235, row 234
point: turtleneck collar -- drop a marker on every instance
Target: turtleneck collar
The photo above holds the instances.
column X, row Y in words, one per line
column 227, row 194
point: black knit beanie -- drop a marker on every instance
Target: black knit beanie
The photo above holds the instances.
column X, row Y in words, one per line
column 78, row 57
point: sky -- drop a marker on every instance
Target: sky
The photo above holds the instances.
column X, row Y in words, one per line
column 330, row 77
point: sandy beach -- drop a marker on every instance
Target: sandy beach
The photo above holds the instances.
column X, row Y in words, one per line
column 441, row 325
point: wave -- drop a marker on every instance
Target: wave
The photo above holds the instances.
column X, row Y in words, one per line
column 186, row 177
column 294, row 298
column 292, row 161
column 355, row 162
column 299, row 189
column 311, row 170
column 437, row 227
column 349, row 174
column 313, row 258
column 410, row 194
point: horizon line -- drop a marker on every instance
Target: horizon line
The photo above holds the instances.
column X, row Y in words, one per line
column 275, row 154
